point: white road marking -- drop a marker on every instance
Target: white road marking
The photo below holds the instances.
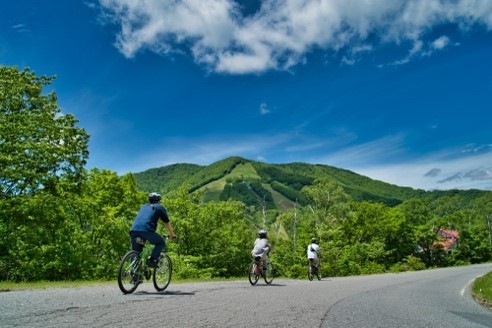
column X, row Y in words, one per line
column 465, row 287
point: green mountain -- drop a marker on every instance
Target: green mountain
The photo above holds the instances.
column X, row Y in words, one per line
column 271, row 186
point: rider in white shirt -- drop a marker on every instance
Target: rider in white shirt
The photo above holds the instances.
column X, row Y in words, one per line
column 313, row 252
column 261, row 247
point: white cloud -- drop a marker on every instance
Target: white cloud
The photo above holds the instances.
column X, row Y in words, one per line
column 433, row 173
column 21, row 28
column 440, row 43
column 382, row 150
column 281, row 32
column 442, row 171
column 264, row 109
column 416, row 49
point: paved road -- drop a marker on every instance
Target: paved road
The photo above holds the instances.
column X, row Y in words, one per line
column 434, row 298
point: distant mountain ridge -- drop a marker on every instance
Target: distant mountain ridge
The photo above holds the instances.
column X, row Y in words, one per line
column 271, row 185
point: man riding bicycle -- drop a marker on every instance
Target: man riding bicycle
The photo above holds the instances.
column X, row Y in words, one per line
column 145, row 226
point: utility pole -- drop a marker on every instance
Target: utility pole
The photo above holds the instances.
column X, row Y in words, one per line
column 488, row 217
column 295, row 227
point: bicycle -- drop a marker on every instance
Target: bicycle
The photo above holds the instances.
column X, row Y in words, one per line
column 133, row 268
column 257, row 269
column 313, row 270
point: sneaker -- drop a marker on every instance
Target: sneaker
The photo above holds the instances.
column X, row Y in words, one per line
column 153, row 263
column 147, row 274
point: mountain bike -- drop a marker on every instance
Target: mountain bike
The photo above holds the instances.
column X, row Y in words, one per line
column 313, row 270
column 133, row 269
column 259, row 268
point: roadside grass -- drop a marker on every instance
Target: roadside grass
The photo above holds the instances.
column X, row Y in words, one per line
column 482, row 290
column 7, row 286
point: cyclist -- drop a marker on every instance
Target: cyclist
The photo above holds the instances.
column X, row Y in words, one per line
column 313, row 253
column 145, row 225
column 261, row 247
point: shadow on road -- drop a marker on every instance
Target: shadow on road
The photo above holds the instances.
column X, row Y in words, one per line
column 165, row 293
column 271, row 285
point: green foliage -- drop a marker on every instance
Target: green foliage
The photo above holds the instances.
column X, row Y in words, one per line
column 299, row 175
column 38, row 144
column 165, row 179
column 213, row 172
column 61, row 222
column 190, row 267
column 68, row 236
column 251, row 193
column 292, row 194
column 218, row 231
column 360, row 258
column 291, row 175
column 286, row 179
column 414, row 263
column 411, row 263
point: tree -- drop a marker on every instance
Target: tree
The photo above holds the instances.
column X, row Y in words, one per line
column 38, row 144
column 42, row 157
column 327, row 202
column 214, row 238
column 484, row 208
column 68, row 235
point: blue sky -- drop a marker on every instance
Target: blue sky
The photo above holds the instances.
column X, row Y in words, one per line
column 400, row 91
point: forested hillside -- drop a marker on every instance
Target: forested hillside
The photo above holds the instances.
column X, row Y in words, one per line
column 252, row 182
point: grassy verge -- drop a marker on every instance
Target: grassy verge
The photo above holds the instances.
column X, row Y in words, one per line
column 482, row 290
column 13, row 286
column 10, row 286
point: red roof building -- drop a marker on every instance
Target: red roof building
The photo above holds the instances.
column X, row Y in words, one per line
column 449, row 239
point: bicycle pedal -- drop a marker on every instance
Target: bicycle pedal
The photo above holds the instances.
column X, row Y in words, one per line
column 137, row 280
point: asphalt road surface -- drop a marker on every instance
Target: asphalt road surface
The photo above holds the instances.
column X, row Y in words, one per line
column 433, row 298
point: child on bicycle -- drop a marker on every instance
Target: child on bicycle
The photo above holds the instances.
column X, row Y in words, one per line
column 145, row 226
column 313, row 253
column 261, row 248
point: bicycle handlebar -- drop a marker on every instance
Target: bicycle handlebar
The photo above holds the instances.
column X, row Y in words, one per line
column 169, row 237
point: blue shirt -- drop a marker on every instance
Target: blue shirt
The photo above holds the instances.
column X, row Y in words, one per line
column 147, row 217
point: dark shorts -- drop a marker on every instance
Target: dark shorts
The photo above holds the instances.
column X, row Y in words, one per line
column 152, row 237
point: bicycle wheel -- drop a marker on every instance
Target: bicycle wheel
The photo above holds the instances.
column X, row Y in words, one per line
column 268, row 273
column 310, row 273
column 163, row 274
column 318, row 272
column 252, row 275
column 129, row 276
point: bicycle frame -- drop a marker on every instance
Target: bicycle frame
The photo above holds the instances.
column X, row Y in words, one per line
column 260, row 268
column 133, row 268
